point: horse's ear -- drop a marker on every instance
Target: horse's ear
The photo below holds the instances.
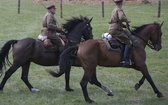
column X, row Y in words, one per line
column 161, row 24
column 90, row 20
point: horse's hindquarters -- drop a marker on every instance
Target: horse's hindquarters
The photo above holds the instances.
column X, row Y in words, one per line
column 30, row 50
column 44, row 56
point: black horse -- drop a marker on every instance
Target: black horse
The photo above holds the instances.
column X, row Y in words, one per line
column 30, row 50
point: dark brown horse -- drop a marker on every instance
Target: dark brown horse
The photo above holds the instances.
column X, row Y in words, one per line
column 30, row 50
column 94, row 52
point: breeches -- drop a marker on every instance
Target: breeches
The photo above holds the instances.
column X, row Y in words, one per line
column 122, row 35
column 55, row 39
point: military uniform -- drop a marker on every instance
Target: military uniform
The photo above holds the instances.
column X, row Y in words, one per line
column 116, row 29
column 116, row 26
column 51, row 28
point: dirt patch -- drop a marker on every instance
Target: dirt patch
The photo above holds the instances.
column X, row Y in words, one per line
column 93, row 1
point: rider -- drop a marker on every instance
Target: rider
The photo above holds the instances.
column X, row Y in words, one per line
column 116, row 29
column 51, row 28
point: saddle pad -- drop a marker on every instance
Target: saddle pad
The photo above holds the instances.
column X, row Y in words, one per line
column 109, row 46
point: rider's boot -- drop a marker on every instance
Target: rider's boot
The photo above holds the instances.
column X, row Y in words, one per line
column 125, row 60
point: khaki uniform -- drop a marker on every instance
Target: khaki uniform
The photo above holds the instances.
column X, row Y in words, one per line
column 116, row 27
column 51, row 28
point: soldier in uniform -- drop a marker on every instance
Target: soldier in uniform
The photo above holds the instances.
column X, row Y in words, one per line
column 116, row 29
column 51, row 28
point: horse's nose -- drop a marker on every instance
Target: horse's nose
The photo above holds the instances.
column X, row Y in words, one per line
column 157, row 47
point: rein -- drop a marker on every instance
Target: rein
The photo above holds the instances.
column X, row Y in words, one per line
column 148, row 42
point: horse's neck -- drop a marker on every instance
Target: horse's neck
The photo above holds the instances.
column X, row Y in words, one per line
column 75, row 34
column 74, row 37
column 144, row 35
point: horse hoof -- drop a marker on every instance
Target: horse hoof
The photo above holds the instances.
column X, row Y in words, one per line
column 34, row 90
column 137, row 86
column 89, row 101
column 69, row 90
column 110, row 94
column 160, row 95
column 1, row 88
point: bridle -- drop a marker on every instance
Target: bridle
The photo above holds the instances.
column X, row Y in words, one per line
column 148, row 42
column 73, row 41
column 87, row 35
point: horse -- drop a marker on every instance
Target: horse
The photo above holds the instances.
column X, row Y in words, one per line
column 94, row 52
column 30, row 50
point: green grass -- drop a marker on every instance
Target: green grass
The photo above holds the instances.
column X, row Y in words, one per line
column 120, row 80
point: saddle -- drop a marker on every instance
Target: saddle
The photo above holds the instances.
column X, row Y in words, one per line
column 113, row 43
column 48, row 44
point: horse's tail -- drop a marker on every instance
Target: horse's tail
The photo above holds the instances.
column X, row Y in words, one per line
column 4, row 53
column 64, row 63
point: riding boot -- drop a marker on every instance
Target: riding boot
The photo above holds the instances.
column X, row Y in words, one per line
column 125, row 60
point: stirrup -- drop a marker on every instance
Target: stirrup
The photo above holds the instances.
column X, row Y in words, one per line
column 126, row 63
column 135, row 43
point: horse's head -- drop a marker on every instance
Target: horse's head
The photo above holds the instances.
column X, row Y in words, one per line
column 87, row 29
column 155, row 41
column 150, row 34
column 78, row 28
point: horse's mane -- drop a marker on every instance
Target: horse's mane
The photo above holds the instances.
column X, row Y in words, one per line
column 138, row 29
column 71, row 23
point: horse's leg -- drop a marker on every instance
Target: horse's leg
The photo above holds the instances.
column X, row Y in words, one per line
column 146, row 74
column 97, row 83
column 86, row 77
column 141, row 81
column 67, row 76
column 8, row 73
column 24, row 77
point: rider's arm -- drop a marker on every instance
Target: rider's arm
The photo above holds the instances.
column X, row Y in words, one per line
column 51, row 25
column 122, row 16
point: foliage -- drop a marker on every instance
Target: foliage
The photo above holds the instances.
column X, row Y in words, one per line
column 120, row 80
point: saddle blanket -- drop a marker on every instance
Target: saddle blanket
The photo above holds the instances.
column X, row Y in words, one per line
column 42, row 37
column 110, row 42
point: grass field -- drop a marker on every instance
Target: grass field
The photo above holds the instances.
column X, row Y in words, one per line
column 120, row 80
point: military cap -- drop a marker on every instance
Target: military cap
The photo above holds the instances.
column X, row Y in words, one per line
column 117, row 0
column 51, row 6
